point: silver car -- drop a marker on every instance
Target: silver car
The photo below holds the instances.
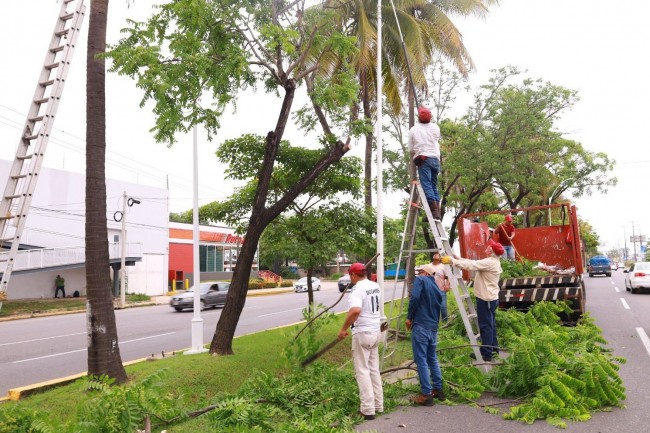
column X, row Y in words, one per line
column 301, row 285
column 212, row 295
column 638, row 277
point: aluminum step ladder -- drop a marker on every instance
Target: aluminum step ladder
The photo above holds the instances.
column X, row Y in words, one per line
column 461, row 293
column 26, row 167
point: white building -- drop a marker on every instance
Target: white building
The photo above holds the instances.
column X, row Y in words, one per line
column 55, row 232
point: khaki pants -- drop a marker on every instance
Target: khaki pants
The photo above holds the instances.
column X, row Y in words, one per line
column 365, row 355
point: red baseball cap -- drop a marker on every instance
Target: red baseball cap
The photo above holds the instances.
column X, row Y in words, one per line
column 424, row 114
column 357, row 268
column 496, row 247
column 509, row 218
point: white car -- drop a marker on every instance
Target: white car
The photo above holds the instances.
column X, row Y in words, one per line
column 638, row 277
column 301, row 285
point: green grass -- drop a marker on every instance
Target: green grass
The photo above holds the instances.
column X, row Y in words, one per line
column 196, row 381
column 33, row 306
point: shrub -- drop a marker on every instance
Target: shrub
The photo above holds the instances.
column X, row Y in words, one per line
column 269, row 284
column 254, row 284
column 286, row 283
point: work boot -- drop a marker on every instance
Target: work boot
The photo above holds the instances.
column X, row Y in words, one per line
column 438, row 394
column 423, row 400
column 435, row 209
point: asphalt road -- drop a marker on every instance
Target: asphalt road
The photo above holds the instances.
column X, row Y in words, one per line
column 625, row 323
column 45, row 348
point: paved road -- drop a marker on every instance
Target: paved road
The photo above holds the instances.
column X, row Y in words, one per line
column 624, row 320
column 45, row 348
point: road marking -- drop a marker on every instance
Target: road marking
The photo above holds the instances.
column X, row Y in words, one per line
column 627, row 307
column 616, row 288
column 85, row 349
column 611, row 281
column 644, row 339
column 41, row 339
column 280, row 312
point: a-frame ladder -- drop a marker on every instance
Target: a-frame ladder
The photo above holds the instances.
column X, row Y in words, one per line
column 461, row 293
column 21, row 184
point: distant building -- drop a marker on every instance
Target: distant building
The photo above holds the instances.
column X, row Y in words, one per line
column 218, row 250
column 53, row 240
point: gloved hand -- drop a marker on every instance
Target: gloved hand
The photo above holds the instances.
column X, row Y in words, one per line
column 445, row 260
column 409, row 324
column 383, row 327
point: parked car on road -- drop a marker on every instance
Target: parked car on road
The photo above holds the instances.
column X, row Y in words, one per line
column 301, row 285
column 599, row 265
column 613, row 266
column 638, row 277
column 343, row 282
column 212, row 295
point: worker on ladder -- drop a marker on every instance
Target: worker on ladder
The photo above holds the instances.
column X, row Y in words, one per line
column 424, row 147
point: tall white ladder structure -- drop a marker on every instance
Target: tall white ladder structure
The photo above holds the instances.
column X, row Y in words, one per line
column 26, row 167
column 466, row 308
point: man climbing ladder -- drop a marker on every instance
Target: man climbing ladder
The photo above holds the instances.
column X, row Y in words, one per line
column 424, row 147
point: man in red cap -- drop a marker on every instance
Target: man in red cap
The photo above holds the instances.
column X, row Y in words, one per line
column 504, row 233
column 364, row 318
column 486, row 290
column 424, row 147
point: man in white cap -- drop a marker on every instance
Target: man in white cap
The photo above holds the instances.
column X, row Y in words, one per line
column 424, row 147
column 364, row 318
column 486, row 290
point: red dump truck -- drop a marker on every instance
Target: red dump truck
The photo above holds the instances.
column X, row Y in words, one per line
column 558, row 249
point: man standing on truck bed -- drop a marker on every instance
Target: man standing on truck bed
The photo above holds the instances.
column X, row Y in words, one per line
column 486, row 290
column 504, row 233
column 424, row 147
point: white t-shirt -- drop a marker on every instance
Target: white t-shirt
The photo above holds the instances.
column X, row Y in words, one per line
column 424, row 140
column 365, row 295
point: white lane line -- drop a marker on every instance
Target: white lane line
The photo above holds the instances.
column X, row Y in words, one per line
column 644, row 339
column 616, row 289
column 611, row 281
column 280, row 312
column 627, row 307
column 85, row 349
column 41, row 339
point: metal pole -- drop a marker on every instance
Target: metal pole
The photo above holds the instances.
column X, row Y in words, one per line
column 123, row 254
column 633, row 242
column 197, row 321
column 625, row 244
column 380, row 186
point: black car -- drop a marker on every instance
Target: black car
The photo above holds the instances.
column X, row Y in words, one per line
column 212, row 295
column 600, row 265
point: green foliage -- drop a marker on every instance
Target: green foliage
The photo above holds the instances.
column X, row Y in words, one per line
column 523, row 268
column 122, row 409
column 137, row 297
column 310, row 340
column 564, row 372
column 255, row 284
column 269, row 284
column 17, row 419
column 286, row 283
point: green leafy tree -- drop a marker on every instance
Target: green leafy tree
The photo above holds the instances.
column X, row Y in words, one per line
column 192, row 58
column 589, row 237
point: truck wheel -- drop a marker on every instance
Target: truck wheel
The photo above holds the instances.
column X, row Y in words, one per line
column 178, row 309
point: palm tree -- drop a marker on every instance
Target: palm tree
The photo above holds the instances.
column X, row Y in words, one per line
column 103, row 350
column 426, row 28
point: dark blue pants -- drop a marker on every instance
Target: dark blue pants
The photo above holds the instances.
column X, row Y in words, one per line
column 428, row 174
column 486, row 312
column 62, row 289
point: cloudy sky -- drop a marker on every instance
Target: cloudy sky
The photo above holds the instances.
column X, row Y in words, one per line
column 595, row 47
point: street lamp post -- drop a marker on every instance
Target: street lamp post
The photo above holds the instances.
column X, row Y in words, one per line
column 130, row 201
column 550, row 198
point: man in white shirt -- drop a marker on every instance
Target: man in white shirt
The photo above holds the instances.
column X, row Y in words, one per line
column 424, row 147
column 486, row 290
column 364, row 318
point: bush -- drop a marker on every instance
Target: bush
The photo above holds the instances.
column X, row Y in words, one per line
column 336, row 275
column 286, row 283
column 269, row 284
column 254, row 284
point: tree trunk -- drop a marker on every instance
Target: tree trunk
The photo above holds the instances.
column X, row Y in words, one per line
column 310, row 289
column 103, row 349
column 261, row 217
